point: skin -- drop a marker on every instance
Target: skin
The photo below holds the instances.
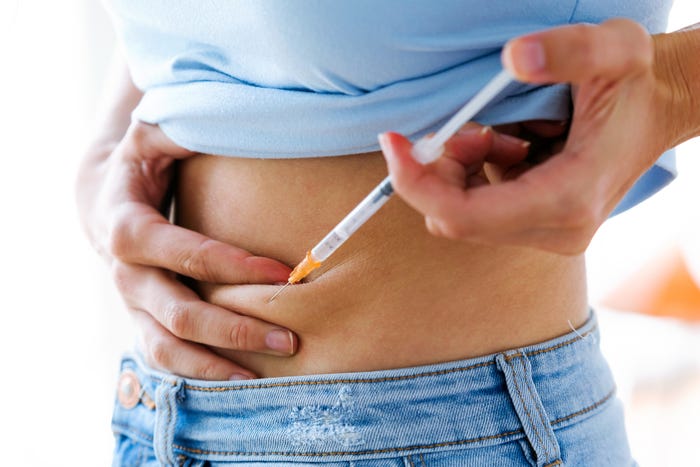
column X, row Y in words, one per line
column 516, row 275
column 394, row 295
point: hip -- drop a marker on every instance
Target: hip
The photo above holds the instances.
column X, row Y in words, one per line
column 551, row 403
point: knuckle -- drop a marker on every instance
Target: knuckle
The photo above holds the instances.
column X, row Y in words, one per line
column 435, row 227
column 432, row 226
column 121, row 275
column 638, row 49
column 239, row 335
column 642, row 57
column 176, row 318
column 159, row 352
column 139, row 134
column 583, row 32
column 209, row 371
column 584, row 47
column 454, row 230
column 121, row 234
column 195, row 263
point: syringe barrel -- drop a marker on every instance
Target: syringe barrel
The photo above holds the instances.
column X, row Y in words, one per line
column 426, row 151
column 354, row 220
column 429, row 149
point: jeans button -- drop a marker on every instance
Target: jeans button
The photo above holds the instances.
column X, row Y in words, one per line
column 128, row 389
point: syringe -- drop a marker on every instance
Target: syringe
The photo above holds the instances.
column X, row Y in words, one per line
column 425, row 151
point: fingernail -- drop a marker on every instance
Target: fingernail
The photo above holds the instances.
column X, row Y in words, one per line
column 384, row 142
column 485, row 130
column 526, row 57
column 280, row 340
column 514, row 140
column 239, row 377
column 469, row 127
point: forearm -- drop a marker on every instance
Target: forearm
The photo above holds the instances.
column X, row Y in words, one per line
column 677, row 67
column 119, row 99
column 114, row 117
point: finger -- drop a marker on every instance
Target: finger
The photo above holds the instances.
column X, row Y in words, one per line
column 180, row 311
column 474, row 144
column 422, row 188
column 163, row 351
column 580, row 53
column 417, row 184
column 544, row 198
column 254, row 300
column 140, row 234
column 465, row 154
column 507, row 150
column 145, row 141
column 546, row 128
column 467, row 147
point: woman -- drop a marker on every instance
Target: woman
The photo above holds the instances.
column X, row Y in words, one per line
column 450, row 353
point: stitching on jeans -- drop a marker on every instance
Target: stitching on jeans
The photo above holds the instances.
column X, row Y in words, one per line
column 342, row 453
column 527, row 412
column 338, row 381
column 585, row 410
column 545, row 425
column 128, row 430
column 556, row 462
column 193, row 387
column 410, row 461
column 422, row 461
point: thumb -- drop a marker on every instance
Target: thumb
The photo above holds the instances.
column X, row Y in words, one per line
column 580, row 53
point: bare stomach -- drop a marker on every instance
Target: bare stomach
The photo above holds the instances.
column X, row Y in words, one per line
column 393, row 295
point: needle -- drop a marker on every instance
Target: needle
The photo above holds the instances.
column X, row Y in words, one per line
column 278, row 292
column 426, row 150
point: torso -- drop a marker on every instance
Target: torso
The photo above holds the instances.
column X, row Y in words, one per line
column 393, row 295
column 300, row 78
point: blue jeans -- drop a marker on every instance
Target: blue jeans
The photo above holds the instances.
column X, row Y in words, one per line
column 548, row 404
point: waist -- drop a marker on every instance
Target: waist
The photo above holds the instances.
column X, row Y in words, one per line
column 393, row 295
column 366, row 415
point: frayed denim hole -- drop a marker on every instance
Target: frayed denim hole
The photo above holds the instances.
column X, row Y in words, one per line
column 315, row 424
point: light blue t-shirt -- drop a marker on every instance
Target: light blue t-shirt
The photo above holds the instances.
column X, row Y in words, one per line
column 304, row 78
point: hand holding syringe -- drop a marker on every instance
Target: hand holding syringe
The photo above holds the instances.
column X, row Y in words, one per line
column 425, row 151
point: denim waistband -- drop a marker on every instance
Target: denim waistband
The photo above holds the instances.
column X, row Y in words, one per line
column 348, row 416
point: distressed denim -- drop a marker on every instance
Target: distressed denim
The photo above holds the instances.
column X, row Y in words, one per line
column 544, row 405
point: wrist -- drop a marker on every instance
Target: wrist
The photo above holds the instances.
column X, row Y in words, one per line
column 677, row 76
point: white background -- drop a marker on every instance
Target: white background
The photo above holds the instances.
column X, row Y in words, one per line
column 61, row 326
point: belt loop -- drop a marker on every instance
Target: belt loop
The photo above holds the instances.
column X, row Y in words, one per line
column 168, row 393
column 528, row 406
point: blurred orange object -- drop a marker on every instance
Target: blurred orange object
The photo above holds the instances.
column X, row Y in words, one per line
column 663, row 287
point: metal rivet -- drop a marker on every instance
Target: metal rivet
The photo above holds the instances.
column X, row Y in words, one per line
column 128, row 389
